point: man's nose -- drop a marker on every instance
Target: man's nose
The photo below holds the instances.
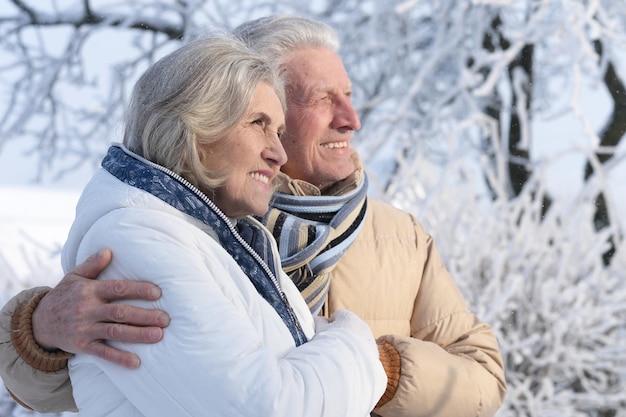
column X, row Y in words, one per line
column 345, row 116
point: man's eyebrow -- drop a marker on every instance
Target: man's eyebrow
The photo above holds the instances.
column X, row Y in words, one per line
column 311, row 91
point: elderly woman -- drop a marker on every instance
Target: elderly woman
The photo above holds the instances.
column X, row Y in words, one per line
column 201, row 147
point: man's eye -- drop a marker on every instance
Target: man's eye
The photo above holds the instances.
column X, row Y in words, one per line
column 319, row 99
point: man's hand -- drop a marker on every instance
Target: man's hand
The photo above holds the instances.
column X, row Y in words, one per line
column 77, row 316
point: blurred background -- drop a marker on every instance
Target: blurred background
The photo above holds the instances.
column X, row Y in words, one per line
column 498, row 124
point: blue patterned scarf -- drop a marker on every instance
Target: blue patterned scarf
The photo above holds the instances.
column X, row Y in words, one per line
column 247, row 244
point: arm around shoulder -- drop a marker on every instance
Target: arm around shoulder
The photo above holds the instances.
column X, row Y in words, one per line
column 36, row 378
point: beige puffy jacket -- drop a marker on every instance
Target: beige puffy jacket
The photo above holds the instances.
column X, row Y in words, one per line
column 393, row 277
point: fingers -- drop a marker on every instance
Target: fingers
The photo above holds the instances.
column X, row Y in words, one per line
column 124, row 333
column 66, row 317
column 119, row 332
column 112, row 290
column 132, row 316
column 92, row 267
column 108, row 353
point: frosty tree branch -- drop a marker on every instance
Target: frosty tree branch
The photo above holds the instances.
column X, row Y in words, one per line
column 437, row 85
column 87, row 17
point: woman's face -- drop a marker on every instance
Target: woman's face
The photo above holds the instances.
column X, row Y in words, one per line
column 251, row 154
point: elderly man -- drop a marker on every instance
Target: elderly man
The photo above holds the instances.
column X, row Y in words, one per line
column 342, row 249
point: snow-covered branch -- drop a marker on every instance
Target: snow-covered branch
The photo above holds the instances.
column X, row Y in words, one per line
column 436, row 85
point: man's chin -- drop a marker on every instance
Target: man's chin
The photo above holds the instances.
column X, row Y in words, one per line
column 345, row 171
column 334, row 176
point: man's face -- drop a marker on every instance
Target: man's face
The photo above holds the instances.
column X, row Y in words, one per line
column 319, row 119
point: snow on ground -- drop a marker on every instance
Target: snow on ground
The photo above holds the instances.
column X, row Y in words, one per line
column 34, row 221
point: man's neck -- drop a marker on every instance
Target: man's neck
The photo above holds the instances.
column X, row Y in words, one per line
column 288, row 185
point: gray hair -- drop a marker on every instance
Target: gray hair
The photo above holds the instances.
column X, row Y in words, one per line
column 190, row 99
column 276, row 37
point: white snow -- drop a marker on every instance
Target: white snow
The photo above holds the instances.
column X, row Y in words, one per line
column 559, row 313
column 34, row 222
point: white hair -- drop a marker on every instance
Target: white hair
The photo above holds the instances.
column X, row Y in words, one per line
column 276, row 37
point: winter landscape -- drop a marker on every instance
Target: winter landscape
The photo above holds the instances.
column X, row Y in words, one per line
column 497, row 123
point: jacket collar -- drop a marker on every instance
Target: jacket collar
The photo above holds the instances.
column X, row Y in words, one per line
column 287, row 185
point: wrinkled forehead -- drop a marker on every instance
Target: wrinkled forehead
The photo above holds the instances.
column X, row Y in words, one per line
column 315, row 70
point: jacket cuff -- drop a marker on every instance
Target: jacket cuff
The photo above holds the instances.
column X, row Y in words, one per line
column 390, row 358
column 24, row 341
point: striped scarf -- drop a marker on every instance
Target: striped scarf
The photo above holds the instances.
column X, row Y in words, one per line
column 314, row 231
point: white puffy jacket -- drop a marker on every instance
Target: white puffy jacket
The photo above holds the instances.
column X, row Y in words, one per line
column 226, row 352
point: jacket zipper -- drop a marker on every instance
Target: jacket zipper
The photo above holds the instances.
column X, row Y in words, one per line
column 245, row 244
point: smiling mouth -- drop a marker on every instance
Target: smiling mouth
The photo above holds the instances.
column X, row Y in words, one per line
column 335, row 145
column 260, row 177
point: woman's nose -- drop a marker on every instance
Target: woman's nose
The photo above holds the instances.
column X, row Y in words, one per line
column 275, row 152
